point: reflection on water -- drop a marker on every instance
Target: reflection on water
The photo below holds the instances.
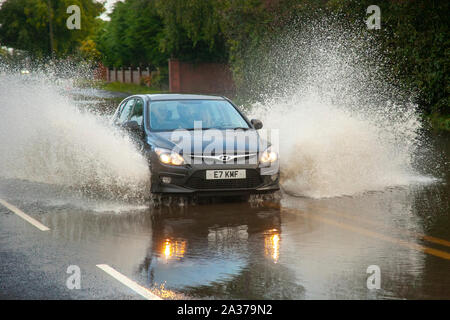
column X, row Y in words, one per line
column 173, row 249
column 207, row 250
column 221, row 250
column 272, row 244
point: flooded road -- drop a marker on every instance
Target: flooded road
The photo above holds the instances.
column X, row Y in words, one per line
column 299, row 248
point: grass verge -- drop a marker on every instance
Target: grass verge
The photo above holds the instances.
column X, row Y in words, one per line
column 440, row 122
column 129, row 88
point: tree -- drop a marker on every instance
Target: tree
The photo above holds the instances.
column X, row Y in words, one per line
column 25, row 25
column 415, row 36
column 133, row 35
column 192, row 30
column 88, row 51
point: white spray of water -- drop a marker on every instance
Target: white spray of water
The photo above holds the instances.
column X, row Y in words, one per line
column 44, row 137
column 328, row 152
column 344, row 128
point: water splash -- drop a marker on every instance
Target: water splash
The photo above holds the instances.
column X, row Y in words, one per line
column 44, row 137
column 346, row 126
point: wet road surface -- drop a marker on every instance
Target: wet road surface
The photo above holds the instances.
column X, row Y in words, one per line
column 299, row 248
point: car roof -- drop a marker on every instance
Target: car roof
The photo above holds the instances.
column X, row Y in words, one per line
column 177, row 96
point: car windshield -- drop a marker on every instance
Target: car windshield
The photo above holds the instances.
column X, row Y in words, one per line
column 190, row 114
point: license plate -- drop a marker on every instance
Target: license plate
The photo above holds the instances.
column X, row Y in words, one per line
column 225, row 174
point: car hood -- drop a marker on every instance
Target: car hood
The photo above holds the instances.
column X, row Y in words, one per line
column 230, row 141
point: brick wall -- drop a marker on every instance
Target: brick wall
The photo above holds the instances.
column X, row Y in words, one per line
column 100, row 73
column 212, row 78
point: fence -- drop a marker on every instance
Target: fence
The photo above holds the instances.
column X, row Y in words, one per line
column 184, row 77
column 128, row 75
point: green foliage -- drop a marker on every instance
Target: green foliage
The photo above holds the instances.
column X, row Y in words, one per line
column 129, row 88
column 3, row 52
column 191, row 30
column 440, row 122
column 133, row 35
column 249, row 27
column 88, row 51
column 420, row 48
column 414, row 34
column 161, row 78
column 25, row 25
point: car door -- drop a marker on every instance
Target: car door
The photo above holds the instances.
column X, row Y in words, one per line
column 137, row 115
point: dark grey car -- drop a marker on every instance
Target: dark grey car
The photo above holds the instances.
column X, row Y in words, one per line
column 199, row 144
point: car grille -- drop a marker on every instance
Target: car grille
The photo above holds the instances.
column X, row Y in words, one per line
column 244, row 158
column 198, row 181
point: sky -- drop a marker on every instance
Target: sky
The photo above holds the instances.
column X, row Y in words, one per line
column 109, row 6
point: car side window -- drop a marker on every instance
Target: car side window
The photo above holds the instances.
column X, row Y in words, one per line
column 138, row 112
column 119, row 111
column 126, row 111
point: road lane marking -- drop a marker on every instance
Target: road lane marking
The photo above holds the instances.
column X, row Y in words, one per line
column 376, row 235
column 436, row 240
column 128, row 282
column 373, row 234
column 24, row 216
column 422, row 236
column 397, row 229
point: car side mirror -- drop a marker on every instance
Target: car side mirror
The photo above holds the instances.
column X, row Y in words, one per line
column 132, row 126
column 257, row 124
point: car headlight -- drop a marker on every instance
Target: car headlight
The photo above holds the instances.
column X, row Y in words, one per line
column 169, row 157
column 268, row 156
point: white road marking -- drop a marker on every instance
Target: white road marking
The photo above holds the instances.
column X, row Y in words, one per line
column 24, row 216
column 128, row 282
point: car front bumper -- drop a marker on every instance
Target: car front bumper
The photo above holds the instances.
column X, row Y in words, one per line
column 192, row 180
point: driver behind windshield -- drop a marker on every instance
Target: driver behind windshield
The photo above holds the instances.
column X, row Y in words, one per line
column 173, row 115
column 188, row 115
column 159, row 117
column 192, row 113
